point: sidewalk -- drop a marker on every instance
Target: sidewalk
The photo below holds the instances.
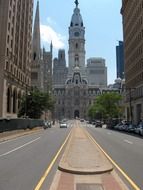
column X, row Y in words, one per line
column 84, row 167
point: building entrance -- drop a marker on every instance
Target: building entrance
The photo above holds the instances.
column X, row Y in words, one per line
column 76, row 114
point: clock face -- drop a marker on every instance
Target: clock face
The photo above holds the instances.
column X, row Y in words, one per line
column 76, row 34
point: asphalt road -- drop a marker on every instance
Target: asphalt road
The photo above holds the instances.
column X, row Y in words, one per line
column 126, row 150
column 24, row 160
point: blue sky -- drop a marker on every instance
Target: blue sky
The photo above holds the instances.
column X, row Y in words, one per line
column 103, row 27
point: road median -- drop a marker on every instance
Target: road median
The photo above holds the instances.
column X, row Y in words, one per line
column 82, row 156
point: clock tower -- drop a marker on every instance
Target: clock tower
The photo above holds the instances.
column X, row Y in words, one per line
column 76, row 53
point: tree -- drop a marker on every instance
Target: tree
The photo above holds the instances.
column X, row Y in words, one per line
column 34, row 103
column 106, row 105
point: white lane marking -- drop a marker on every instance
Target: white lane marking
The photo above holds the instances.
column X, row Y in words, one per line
column 15, row 149
column 109, row 133
column 14, row 139
column 127, row 141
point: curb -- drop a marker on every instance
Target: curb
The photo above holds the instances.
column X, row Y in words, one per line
column 79, row 172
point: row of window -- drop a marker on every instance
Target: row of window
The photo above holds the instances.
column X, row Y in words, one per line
column 11, row 68
column 130, row 33
column 76, row 92
column 132, row 50
column 131, row 13
column 76, row 102
column 135, row 93
column 135, row 69
column 136, row 80
column 136, row 56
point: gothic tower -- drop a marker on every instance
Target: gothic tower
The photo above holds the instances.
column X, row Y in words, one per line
column 36, row 35
column 76, row 51
column 36, row 68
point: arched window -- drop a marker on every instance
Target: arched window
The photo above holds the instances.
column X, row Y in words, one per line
column 34, row 56
column 19, row 99
column 8, row 100
column 76, row 45
column 14, row 101
column 76, row 58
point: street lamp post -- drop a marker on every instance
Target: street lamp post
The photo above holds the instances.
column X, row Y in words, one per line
column 26, row 102
column 130, row 102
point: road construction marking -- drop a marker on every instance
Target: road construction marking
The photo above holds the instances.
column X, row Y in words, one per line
column 116, row 165
column 127, row 141
column 15, row 149
column 39, row 185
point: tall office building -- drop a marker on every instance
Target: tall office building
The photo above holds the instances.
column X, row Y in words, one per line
column 132, row 12
column 120, row 60
column 97, row 72
column 15, row 53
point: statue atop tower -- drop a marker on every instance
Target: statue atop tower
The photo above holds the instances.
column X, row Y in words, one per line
column 76, row 2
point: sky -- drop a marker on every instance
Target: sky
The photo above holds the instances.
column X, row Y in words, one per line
column 103, row 28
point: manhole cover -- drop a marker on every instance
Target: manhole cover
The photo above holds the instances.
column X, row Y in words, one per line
column 88, row 187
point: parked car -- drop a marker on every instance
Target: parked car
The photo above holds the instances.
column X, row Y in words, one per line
column 47, row 124
column 63, row 125
column 98, row 124
column 131, row 128
column 81, row 120
column 118, row 126
column 139, row 129
column 93, row 122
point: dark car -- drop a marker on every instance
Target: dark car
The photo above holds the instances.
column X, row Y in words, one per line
column 98, row 124
column 81, row 120
column 47, row 124
column 131, row 128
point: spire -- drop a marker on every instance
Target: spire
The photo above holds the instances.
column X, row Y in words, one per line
column 36, row 35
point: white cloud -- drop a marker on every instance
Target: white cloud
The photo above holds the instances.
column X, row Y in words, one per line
column 48, row 34
column 51, row 21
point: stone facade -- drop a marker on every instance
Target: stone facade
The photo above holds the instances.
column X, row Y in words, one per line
column 15, row 53
column 60, row 70
column 74, row 98
column 132, row 12
column 47, row 70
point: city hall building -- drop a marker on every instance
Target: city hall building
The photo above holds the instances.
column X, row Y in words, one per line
column 75, row 87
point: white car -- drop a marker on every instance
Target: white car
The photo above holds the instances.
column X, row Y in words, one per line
column 63, row 125
column 139, row 129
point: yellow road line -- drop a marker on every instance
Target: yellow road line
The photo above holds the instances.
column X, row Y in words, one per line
column 116, row 165
column 51, row 165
